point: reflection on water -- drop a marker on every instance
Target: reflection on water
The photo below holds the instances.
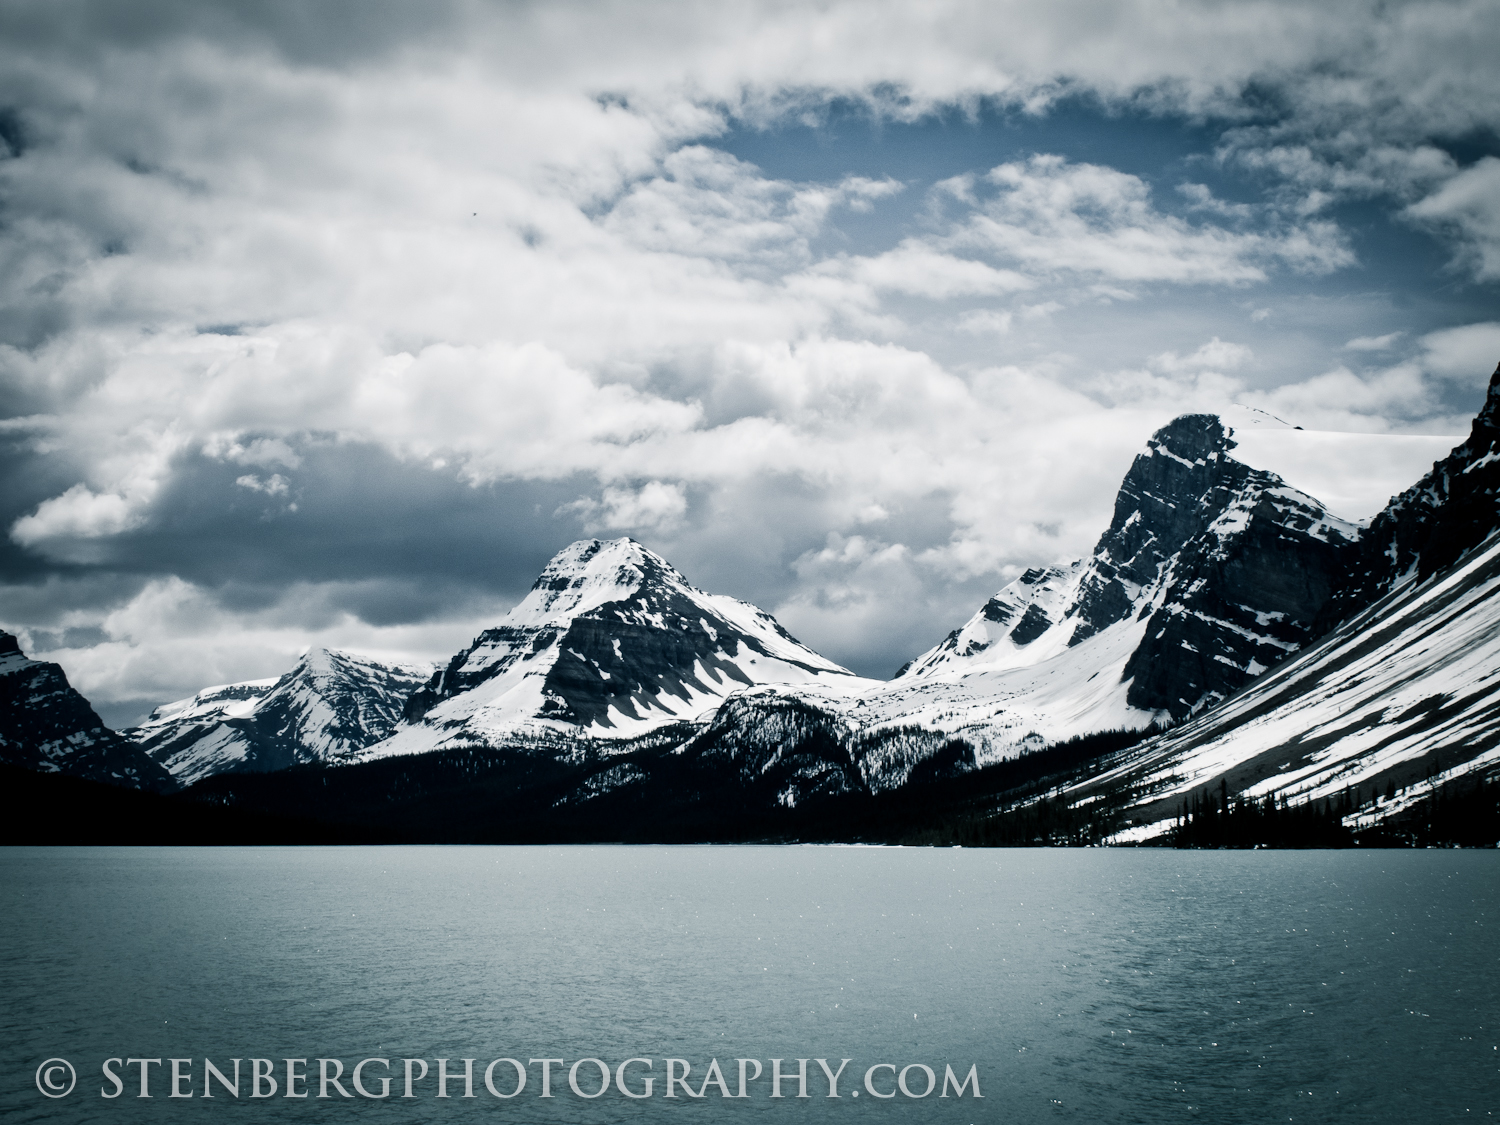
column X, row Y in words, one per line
column 1086, row 985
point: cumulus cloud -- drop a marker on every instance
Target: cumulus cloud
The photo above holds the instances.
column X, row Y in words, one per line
column 78, row 513
column 654, row 507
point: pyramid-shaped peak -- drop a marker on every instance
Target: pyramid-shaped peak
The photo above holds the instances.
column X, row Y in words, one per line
column 317, row 660
column 620, row 563
column 594, row 572
column 600, row 555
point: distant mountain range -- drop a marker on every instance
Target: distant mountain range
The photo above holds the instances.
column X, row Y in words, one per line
column 1282, row 650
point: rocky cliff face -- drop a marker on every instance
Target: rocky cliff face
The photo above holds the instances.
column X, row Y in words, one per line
column 327, row 708
column 45, row 725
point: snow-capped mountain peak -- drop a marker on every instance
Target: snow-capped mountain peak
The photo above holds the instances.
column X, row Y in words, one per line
column 611, row 641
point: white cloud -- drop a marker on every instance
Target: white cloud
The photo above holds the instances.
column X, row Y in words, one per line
column 174, row 637
column 276, row 485
column 653, row 507
column 1468, row 204
column 1050, row 216
column 1342, row 400
column 1216, row 355
column 1467, row 354
column 1374, row 343
column 79, row 513
column 921, row 271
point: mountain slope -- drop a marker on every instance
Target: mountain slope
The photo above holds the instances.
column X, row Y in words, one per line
column 46, row 725
column 327, row 708
column 1405, row 696
column 610, row 643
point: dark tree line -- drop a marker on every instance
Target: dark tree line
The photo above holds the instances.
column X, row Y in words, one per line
column 1216, row 820
column 1460, row 814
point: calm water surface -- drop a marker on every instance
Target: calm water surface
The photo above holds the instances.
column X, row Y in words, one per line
column 1085, row 985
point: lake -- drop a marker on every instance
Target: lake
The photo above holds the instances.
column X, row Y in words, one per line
column 1093, row 985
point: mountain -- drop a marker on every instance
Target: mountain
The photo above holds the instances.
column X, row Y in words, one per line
column 46, row 725
column 610, row 644
column 1209, row 573
column 1220, row 568
column 1401, row 697
column 1399, row 700
column 328, row 708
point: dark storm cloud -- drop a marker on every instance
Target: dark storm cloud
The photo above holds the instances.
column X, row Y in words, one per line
column 348, row 513
column 328, row 33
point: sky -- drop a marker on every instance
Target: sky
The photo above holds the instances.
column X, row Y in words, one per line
column 330, row 324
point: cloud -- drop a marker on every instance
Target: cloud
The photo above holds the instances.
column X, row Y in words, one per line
column 919, row 270
column 1374, row 343
column 1468, row 207
column 654, row 506
column 1343, row 400
column 277, row 485
column 1466, row 354
column 465, row 286
column 172, row 633
column 1216, row 355
column 78, row 513
column 1050, row 215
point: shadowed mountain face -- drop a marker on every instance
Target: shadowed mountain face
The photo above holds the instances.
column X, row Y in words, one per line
column 45, row 725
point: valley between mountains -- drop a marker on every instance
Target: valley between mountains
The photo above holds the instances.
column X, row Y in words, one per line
column 1233, row 664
